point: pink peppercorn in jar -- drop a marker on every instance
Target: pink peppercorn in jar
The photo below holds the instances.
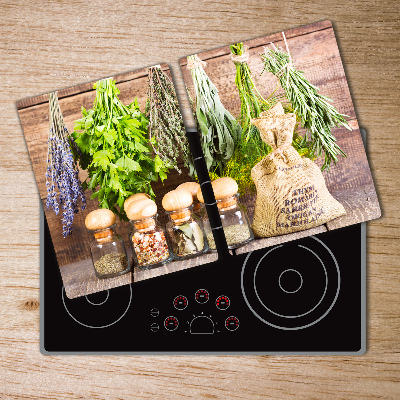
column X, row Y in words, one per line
column 149, row 244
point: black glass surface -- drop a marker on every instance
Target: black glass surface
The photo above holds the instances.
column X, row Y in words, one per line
column 302, row 296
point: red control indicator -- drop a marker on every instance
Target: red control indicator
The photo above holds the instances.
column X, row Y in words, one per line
column 202, row 296
column 222, row 302
column 171, row 323
column 231, row 323
column 180, row 302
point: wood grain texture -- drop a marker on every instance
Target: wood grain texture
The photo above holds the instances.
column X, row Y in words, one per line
column 48, row 45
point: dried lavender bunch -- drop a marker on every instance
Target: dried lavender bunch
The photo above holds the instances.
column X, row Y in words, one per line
column 62, row 172
column 165, row 119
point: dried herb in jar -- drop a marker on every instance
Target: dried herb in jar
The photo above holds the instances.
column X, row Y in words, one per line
column 234, row 234
column 111, row 263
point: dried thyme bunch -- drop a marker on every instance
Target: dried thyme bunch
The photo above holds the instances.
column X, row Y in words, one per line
column 165, row 119
column 62, row 171
column 220, row 132
column 316, row 114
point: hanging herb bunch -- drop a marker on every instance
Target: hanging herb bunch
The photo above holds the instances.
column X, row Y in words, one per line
column 165, row 119
column 318, row 117
column 62, row 171
column 114, row 142
column 220, row 132
column 252, row 148
column 252, row 103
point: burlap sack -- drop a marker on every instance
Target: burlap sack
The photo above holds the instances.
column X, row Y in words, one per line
column 291, row 191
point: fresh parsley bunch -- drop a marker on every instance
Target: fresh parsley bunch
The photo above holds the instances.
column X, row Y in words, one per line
column 116, row 151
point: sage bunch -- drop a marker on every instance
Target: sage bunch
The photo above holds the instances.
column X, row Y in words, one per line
column 219, row 130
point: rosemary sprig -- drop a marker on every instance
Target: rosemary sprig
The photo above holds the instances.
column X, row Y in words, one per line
column 317, row 115
column 165, row 119
column 220, row 132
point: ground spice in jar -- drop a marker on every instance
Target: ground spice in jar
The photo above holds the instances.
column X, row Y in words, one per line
column 234, row 234
column 111, row 263
column 150, row 247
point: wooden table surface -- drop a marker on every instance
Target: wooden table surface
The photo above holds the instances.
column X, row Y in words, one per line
column 48, row 45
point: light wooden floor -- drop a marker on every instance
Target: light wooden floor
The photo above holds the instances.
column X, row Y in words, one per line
column 48, row 45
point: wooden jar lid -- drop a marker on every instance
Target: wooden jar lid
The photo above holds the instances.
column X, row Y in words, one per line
column 176, row 200
column 100, row 219
column 140, row 209
column 191, row 187
column 222, row 188
column 133, row 198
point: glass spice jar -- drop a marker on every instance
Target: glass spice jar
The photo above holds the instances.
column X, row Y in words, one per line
column 184, row 229
column 108, row 250
column 147, row 237
column 234, row 219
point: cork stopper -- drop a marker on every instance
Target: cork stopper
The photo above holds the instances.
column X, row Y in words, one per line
column 103, row 233
column 99, row 219
column 133, row 198
column 141, row 209
column 181, row 216
column 222, row 188
column 227, row 203
column 145, row 224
